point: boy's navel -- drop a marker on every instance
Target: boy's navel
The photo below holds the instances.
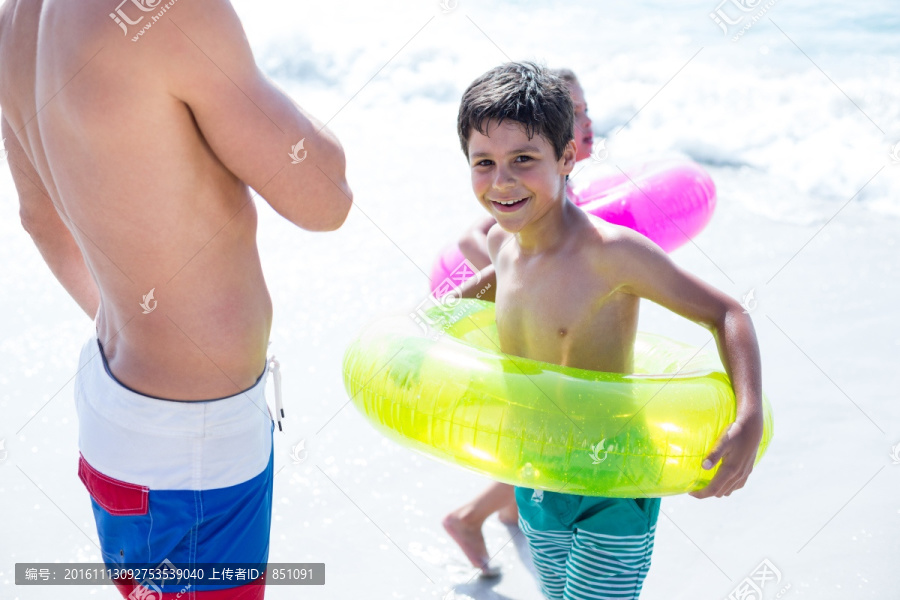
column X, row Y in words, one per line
column 562, row 331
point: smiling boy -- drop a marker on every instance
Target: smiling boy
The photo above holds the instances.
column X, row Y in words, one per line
column 464, row 524
column 568, row 293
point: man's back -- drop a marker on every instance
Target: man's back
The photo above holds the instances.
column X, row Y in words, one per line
column 144, row 148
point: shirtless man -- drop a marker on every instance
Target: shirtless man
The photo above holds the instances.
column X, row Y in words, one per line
column 132, row 160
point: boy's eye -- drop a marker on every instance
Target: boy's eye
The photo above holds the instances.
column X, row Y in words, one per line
column 523, row 158
column 484, row 163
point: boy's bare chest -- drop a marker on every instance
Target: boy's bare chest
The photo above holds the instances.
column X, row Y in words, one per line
column 564, row 312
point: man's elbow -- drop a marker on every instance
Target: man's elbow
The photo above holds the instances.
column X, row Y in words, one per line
column 31, row 222
column 341, row 196
column 341, row 205
column 26, row 224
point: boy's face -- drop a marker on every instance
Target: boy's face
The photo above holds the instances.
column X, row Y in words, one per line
column 584, row 135
column 515, row 178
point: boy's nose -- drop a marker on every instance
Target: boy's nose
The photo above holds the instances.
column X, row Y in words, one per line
column 503, row 179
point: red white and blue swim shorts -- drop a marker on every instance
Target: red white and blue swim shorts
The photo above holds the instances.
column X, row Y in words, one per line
column 184, row 482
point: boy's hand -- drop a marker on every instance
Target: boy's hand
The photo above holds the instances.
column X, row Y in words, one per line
column 736, row 448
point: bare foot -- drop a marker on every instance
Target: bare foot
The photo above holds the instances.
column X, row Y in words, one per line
column 471, row 541
column 509, row 514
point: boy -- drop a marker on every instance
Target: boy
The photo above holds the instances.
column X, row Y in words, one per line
column 473, row 242
column 464, row 524
column 568, row 289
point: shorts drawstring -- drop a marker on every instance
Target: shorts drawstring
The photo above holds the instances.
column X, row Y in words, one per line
column 275, row 370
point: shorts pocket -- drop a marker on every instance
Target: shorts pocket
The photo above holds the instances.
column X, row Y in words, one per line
column 115, row 497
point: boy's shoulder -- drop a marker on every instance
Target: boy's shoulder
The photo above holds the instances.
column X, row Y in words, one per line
column 612, row 239
column 597, row 235
column 619, row 248
column 617, row 237
column 611, row 248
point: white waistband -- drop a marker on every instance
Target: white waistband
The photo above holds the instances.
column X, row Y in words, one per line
column 169, row 445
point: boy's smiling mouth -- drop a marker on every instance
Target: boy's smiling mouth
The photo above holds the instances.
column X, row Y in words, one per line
column 509, row 205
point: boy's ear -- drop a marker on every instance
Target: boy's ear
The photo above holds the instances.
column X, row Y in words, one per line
column 568, row 157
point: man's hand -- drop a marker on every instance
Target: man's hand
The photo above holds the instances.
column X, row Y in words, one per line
column 736, row 448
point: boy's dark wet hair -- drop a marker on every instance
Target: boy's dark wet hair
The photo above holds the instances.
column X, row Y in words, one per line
column 523, row 92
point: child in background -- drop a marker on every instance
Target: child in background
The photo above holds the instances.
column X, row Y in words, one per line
column 568, row 292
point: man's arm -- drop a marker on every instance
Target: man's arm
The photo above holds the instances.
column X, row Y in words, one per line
column 649, row 273
column 46, row 228
column 251, row 125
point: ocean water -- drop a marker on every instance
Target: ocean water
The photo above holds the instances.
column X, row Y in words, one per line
column 804, row 91
column 796, row 121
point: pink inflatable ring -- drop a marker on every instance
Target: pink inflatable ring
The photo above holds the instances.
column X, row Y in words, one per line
column 668, row 201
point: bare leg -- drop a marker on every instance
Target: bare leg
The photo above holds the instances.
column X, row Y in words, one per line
column 464, row 524
column 509, row 514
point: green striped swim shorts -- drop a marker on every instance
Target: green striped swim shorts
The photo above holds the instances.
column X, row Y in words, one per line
column 587, row 546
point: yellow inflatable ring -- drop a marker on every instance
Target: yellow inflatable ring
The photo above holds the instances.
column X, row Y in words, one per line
column 445, row 389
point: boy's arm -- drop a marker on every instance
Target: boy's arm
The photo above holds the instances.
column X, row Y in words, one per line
column 473, row 243
column 42, row 222
column 484, row 287
column 647, row 271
